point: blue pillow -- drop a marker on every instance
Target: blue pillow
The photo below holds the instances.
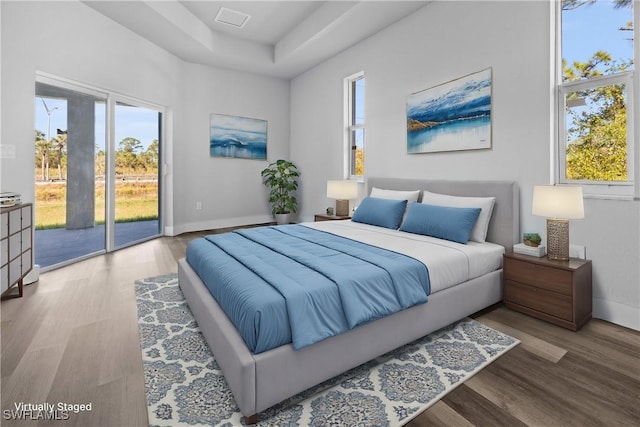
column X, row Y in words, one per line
column 381, row 212
column 443, row 222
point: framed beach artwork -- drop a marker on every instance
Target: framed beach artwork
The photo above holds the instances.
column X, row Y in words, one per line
column 238, row 137
column 451, row 116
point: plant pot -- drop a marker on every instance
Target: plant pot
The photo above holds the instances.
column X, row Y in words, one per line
column 530, row 243
column 283, row 218
column 531, row 239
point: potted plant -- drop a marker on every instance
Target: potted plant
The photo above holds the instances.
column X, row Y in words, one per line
column 532, row 239
column 282, row 179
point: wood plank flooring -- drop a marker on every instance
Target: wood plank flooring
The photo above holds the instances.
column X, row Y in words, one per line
column 73, row 338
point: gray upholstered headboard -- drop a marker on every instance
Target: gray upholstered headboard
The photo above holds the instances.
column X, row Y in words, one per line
column 504, row 227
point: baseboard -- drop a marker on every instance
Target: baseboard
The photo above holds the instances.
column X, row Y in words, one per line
column 615, row 312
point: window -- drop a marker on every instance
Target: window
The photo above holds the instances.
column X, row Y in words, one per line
column 355, row 125
column 595, row 96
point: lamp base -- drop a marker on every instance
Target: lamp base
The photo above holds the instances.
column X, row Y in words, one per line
column 558, row 239
column 342, row 208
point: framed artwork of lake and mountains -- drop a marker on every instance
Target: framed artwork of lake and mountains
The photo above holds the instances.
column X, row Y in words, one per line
column 452, row 116
column 238, row 137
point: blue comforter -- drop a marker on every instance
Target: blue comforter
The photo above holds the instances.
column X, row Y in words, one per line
column 296, row 284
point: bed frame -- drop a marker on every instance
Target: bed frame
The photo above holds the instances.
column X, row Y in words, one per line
column 259, row 381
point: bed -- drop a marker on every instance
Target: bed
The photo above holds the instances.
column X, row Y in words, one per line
column 261, row 380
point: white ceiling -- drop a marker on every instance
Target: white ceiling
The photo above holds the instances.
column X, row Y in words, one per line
column 280, row 39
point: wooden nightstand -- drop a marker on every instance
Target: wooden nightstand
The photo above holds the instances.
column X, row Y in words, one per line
column 323, row 217
column 556, row 291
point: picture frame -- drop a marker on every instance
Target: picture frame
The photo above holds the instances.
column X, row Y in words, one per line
column 237, row 137
column 451, row 116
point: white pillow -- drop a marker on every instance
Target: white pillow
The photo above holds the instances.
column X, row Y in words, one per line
column 479, row 232
column 409, row 196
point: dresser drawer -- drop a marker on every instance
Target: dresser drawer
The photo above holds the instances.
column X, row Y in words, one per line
column 4, row 251
column 4, row 226
column 15, row 221
column 16, row 252
column 4, row 278
column 553, row 279
column 552, row 303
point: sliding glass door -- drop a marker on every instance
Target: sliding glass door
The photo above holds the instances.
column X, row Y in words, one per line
column 97, row 176
column 137, row 202
column 69, row 174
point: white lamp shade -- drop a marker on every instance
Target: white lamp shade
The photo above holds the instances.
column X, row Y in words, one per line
column 342, row 190
column 563, row 202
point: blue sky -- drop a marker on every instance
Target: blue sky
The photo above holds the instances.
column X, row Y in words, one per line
column 590, row 28
column 139, row 123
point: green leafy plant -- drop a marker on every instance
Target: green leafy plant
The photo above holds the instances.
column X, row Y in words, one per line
column 282, row 178
column 532, row 239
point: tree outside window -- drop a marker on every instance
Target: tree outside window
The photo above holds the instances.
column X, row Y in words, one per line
column 596, row 88
column 355, row 124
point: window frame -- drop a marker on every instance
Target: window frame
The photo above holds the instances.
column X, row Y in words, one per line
column 595, row 189
column 351, row 126
column 614, row 188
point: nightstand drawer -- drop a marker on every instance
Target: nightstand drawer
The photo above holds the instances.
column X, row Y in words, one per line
column 539, row 299
column 541, row 276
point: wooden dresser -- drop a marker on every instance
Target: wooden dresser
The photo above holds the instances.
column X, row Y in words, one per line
column 16, row 237
column 556, row 291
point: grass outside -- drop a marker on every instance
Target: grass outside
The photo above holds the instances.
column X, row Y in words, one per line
column 135, row 201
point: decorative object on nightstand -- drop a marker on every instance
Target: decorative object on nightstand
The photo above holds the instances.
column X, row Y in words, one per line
column 342, row 191
column 536, row 251
column 559, row 204
column 531, row 239
column 530, row 245
column 559, row 292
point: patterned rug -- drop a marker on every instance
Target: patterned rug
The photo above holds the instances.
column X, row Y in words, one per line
column 185, row 386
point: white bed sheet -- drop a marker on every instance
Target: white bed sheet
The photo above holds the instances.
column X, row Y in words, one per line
column 449, row 263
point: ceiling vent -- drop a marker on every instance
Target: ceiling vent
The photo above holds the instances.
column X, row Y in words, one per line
column 231, row 17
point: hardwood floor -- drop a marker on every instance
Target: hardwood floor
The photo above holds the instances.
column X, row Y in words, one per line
column 73, row 338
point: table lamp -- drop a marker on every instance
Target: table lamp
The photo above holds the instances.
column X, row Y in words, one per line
column 342, row 191
column 559, row 204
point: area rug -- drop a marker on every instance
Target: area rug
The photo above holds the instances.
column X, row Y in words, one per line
column 185, row 387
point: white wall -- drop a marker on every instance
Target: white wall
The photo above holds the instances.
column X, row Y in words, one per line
column 611, row 233
column 441, row 42
column 73, row 41
column 230, row 190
